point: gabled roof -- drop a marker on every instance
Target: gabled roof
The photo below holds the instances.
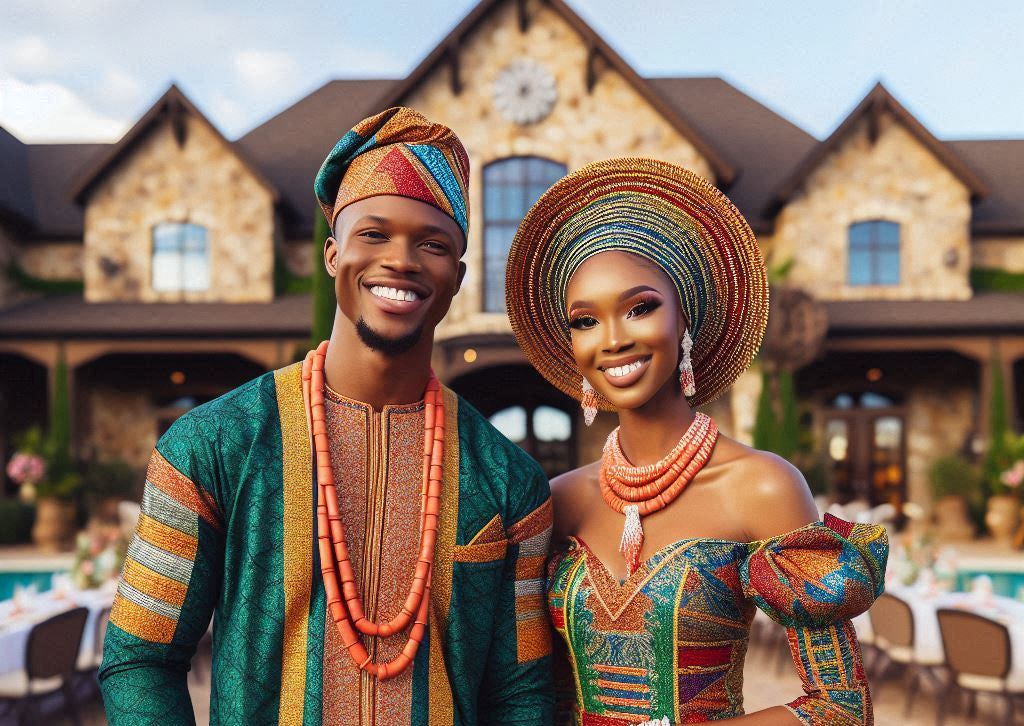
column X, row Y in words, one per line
column 878, row 102
column 448, row 49
column 762, row 145
column 291, row 146
column 15, row 195
column 1000, row 164
column 172, row 106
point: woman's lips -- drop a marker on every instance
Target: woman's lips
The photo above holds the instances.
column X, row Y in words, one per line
column 627, row 373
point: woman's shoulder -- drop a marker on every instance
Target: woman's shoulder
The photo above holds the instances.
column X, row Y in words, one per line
column 768, row 494
column 572, row 493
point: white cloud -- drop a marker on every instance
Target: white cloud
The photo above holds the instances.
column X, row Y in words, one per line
column 266, row 72
column 49, row 112
column 120, row 89
column 30, row 56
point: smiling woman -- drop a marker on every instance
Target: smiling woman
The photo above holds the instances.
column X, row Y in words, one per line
column 636, row 286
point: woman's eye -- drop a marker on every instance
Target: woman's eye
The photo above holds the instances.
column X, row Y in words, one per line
column 583, row 322
column 641, row 308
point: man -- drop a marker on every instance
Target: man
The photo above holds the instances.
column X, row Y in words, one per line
column 229, row 520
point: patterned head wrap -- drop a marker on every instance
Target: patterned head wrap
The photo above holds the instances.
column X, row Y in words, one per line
column 660, row 212
column 398, row 152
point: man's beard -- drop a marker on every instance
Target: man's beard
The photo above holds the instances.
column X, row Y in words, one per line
column 388, row 346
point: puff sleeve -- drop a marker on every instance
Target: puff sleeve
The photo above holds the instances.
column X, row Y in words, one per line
column 813, row 581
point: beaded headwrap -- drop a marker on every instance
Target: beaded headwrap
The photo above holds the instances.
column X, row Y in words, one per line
column 398, row 152
column 665, row 214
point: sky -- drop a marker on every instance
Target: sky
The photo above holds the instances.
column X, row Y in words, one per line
column 85, row 70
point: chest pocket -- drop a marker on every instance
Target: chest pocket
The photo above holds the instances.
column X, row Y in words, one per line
column 488, row 546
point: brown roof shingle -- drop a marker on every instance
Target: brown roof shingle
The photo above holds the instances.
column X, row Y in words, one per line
column 985, row 312
column 1000, row 163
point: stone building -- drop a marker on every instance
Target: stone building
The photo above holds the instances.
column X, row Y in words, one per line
column 174, row 246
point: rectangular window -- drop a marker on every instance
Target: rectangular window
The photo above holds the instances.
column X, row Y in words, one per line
column 181, row 258
column 874, row 253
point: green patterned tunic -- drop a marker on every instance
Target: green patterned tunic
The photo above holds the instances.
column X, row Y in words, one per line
column 228, row 526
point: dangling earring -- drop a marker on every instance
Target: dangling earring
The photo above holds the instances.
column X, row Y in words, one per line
column 588, row 402
column 686, row 379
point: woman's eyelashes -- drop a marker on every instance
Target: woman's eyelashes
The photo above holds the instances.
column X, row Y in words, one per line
column 642, row 307
column 582, row 322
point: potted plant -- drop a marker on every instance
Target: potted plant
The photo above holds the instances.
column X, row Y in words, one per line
column 54, row 487
column 1003, row 512
column 956, row 482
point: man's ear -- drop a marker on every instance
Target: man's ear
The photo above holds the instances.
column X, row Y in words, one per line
column 331, row 256
column 462, row 274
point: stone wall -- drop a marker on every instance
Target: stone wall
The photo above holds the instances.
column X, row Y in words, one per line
column 122, row 425
column 1005, row 253
column 52, row 260
column 939, row 420
column 612, row 120
column 896, row 179
column 202, row 183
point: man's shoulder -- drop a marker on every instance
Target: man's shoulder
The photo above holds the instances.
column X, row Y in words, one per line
column 237, row 410
column 476, row 431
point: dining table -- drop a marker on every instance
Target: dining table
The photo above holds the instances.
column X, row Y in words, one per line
column 18, row 615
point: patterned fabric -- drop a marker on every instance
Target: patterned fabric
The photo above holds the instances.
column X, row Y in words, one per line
column 397, row 152
column 665, row 214
column 253, row 566
column 670, row 641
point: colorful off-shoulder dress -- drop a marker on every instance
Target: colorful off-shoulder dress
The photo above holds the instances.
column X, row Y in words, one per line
column 670, row 640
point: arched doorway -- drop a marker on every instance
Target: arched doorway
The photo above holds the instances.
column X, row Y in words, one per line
column 527, row 410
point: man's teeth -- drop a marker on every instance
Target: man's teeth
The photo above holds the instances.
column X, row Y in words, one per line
column 392, row 293
column 619, row 371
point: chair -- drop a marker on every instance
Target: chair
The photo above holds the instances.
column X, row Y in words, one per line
column 978, row 654
column 892, row 621
column 50, row 656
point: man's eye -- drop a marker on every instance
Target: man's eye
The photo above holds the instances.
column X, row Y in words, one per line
column 583, row 322
column 435, row 246
column 373, row 234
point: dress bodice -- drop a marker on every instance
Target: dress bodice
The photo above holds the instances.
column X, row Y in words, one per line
column 670, row 640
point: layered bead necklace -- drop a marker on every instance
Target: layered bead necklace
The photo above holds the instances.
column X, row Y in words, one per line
column 343, row 601
column 636, row 491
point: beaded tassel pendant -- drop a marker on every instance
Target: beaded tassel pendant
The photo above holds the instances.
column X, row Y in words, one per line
column 632, row 538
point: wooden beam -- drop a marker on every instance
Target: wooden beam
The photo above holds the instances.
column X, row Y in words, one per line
column 523, row 16
column 593, row 56
column 453, row 66
column 179, row 124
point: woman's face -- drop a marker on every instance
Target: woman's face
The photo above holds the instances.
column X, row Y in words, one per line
column 626, row 325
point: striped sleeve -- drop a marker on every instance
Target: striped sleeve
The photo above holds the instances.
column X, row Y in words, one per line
column 164, row 601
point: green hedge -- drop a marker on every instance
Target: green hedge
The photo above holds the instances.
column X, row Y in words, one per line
column 993, row 279
column 39, row 284
column 16, row 519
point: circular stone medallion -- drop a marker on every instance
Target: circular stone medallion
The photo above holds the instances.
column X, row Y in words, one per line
column 525, row 91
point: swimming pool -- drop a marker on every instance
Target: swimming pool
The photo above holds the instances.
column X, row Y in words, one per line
column 10, row 580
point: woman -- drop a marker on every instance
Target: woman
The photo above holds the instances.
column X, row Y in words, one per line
column 637, row 287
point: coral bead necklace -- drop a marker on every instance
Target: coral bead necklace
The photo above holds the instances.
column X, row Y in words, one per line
column 343, row 600
column 637, row 491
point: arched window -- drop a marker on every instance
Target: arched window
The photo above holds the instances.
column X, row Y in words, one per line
column 181, row 257
column 511, row 186
column 544, row 432
column 874, row 254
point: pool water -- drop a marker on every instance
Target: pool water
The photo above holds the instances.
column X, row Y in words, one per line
column 1007, row 584
column 8, row 581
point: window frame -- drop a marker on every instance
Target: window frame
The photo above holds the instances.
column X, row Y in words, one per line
column 523, row 183
column 876, row 248
column 182, row 241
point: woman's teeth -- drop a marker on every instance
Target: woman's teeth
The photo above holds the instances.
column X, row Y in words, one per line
column 392, row 293
column 619, row 371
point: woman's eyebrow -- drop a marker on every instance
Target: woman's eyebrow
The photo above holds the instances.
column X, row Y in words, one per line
column 634, row 290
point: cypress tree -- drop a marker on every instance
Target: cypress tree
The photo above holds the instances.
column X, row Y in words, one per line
column 788, row 442
column 324, row 301
column 997, row 457
column 765, row 433
column 60, row 414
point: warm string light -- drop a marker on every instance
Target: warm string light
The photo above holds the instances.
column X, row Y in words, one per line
column 343, row 601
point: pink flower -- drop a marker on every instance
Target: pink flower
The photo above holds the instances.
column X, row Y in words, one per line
column 1014, row 476
column 24, row 468
column 88, row 568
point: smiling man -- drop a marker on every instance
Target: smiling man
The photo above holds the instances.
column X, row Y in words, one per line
column 371, row 548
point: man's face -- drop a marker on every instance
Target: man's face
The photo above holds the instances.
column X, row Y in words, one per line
column 395, row 262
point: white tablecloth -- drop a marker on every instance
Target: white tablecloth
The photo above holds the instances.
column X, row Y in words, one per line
column 15, row 626
column 927, row 637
